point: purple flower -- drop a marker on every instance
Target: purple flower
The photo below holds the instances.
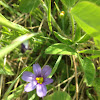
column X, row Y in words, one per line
column 37, row 80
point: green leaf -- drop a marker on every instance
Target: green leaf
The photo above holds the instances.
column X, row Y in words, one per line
column 58, row 96
column 17, row 92
column 7, row 23
column 97, row 43
column 49, row 15
column 15, row 43
column 60, row 48
column 77, row 33
column 94, row 1
column 88, row 69
column 11, row 86
column 62, row 39
column 4, row 4
column 84, row 38
column 27, row 5
column 87, row 15
column 93, row 56
column 52, row 19
column 5, row 69
column 68, row 3
column 32, row 95
column 88, row 51
column 55, row 66
column 8, row 70
column 96, row 85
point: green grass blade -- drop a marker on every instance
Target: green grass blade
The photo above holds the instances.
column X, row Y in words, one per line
column 52, row 19
column 49, row 15
column 84, row 38
column 11, row 86
column 63, row 39
column 88, row 51
column 7, row 23
column 15, row 43
column 55, row 66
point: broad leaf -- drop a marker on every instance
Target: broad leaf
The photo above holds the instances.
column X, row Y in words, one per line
column 60, row 48
column 27, row 5
column 94, row 1
column 88, row 69
column 68, row 3
column 87, row 15
column 58, row 96
column 96, row 85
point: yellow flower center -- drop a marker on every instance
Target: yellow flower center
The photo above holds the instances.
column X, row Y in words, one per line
column 39, row 80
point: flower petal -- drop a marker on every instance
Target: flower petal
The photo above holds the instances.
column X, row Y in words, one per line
column 30, row 86
column 37, row 69
column 46, row 71
column 41, row 90
column 28, row 76
column 47, row 81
